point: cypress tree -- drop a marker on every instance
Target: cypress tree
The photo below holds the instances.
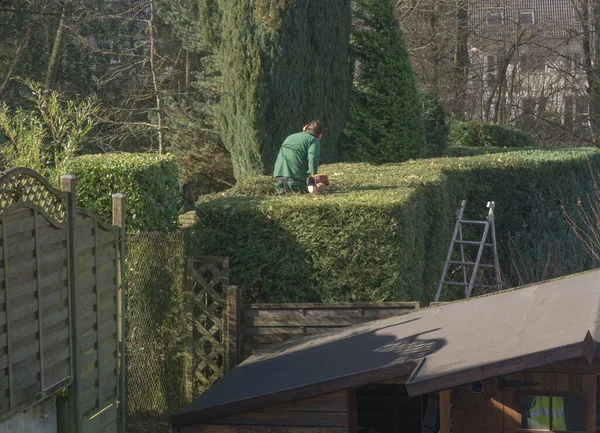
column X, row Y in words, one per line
column 284, row 63
column 385, row 122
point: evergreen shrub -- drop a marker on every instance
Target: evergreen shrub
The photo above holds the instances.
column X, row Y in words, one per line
column 434, row 121
column 150, row 182
column 381, row 233
column 386, row 123
column 283, row 63
column 479, row 134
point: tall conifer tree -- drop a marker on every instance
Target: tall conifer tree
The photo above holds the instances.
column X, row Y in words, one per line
column 284, row 63
column 386, row 122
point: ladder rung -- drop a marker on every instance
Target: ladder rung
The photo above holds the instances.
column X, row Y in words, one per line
column 472, row 243
column 481, row 265
column 473, row 222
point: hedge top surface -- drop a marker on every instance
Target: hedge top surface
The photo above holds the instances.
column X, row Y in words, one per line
column 372, row 184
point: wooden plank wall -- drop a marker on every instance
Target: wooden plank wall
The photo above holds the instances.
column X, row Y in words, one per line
column 34, row 308
column 96, row 255
column 266, row 324
column 326, row 413
column 495, row 411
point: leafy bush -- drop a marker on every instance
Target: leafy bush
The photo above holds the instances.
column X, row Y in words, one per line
column 382, row 232
column 47, row 135
column 150, row 182
column 434, row 121
column 385, row 122
column 478, row 134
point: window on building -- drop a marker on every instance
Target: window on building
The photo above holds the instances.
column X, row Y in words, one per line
column 494, row 17
column 558, row 413
column 526, row 17
column 491, row 64
column 581, row 105
column 530, row 63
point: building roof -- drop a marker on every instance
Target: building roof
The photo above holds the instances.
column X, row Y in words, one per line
column 439, row 348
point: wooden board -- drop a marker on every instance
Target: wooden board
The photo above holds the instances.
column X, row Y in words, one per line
column 268, row 324
column 324, row 411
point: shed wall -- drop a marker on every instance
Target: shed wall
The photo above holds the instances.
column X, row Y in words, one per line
column 327, row 413
column 496, row 411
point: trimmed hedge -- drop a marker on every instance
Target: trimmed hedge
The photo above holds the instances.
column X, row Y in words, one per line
column 382, row 232
column 456, row 152
column 150, row 182
column 478, row 134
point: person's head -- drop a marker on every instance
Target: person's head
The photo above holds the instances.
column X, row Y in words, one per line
column 314, row 128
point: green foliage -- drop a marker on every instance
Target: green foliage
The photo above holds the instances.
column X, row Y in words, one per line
column 455, row 151
column 149, row 181
column 193, row 136
column 47, row 136
column 434, row 121
column 386, row 123
column 382, row 232
column 284, row 63
column 478, row 134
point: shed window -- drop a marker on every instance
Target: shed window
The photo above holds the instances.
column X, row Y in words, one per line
column 526, row 17
column 494, row 17
column 558, row 413
column 388, row 409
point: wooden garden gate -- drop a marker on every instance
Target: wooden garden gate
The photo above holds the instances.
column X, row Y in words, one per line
column 61, row 303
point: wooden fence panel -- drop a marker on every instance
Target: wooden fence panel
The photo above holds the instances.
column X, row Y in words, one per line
column 35, row 356
column 97, row 256
column 268, row 324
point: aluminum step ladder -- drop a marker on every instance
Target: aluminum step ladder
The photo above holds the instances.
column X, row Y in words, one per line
column 457, row 239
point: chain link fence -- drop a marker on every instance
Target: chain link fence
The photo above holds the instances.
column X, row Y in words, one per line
column 157, row 330
column 175, row 307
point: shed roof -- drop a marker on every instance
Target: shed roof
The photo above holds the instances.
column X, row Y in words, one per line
column 439, row 347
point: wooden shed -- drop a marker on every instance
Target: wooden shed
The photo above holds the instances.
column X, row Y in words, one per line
column 517, row 361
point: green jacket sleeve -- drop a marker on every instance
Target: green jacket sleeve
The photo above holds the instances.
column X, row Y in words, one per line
column 314, row 153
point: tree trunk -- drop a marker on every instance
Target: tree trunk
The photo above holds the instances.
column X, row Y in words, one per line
column 53, row 62
column 591, row 50
column 155, row 85
column 15, row 60
column 461, row 58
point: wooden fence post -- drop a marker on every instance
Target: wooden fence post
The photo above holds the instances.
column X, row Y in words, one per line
column 231, row 335
column 118, row 219
column 68, row 185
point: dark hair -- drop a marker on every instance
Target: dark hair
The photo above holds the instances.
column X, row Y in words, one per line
column 315, row 128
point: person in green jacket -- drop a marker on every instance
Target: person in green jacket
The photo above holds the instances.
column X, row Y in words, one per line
column 298, row 159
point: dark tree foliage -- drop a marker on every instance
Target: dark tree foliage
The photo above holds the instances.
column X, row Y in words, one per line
column 434, row 121
column 284, row 63
column 385, row 112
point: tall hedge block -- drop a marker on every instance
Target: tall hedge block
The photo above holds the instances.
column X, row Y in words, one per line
column 284, row 63
column 150, row 182
column 386, row 123
column 382, row 232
